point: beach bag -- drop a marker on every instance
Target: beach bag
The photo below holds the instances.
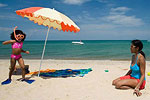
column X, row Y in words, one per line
column 18, row 70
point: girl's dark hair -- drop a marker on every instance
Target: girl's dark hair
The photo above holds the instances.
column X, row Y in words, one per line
column 17, row 32
column 139, row 44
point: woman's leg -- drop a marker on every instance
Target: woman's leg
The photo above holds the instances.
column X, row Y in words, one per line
column 21, row 63
column 115, row 81
column 12, row 66
column 126, row 84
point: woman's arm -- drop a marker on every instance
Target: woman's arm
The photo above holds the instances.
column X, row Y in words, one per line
column 142, row 70
column 129, row 72
column 9, row 42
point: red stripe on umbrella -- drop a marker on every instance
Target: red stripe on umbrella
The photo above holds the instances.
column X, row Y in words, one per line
column 27, row 11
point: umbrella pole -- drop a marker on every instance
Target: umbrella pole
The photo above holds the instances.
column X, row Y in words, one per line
column 43, row 52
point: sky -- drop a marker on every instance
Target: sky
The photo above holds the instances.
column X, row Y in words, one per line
column 97, row 19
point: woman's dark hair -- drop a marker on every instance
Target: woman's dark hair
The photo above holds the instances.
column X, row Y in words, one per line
column 139, row 44
column 17, row 32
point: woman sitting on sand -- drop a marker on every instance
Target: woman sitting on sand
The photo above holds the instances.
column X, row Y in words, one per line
column 135, row 77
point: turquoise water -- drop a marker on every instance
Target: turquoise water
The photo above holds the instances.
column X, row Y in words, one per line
column 92, row 49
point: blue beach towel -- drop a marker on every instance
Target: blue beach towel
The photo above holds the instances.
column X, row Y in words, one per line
column 67, row 73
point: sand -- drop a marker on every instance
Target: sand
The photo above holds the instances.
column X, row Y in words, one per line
column 96, row 85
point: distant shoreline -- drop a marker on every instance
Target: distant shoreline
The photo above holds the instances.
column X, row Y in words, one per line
column 74, row 59
column 75, row 40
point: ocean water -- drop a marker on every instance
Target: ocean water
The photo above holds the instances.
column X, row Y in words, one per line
column 64, row 49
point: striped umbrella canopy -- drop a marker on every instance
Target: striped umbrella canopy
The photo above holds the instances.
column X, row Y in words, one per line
column 48, row 17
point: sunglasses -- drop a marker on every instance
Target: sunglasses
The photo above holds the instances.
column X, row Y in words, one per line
column 20, row 36
column 132, row 46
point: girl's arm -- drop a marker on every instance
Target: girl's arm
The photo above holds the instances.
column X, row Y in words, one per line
column 15, row 32
column 27, row 52
column 9, row 42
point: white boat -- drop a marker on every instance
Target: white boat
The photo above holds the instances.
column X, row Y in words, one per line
column 74, row 42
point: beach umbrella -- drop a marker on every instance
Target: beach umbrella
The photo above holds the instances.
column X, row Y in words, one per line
column 50, row 18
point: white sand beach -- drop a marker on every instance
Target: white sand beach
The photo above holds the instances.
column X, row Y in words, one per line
column 96, row 85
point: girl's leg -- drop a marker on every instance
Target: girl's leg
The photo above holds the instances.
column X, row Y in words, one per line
column 21, row 63
column 126, row 84
column 12, row 67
